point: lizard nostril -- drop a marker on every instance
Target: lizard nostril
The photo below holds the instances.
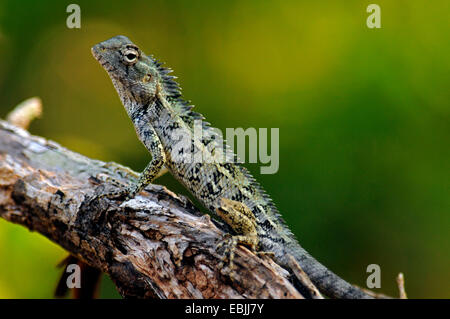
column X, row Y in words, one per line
column 98, row 50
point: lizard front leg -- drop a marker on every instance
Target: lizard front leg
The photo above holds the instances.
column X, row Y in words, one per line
column 154, row 169
column 123, row 170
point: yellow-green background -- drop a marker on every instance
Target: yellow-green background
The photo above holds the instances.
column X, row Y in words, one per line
column 363, row 117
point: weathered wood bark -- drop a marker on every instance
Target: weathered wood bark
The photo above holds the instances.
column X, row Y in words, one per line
column 156, row 245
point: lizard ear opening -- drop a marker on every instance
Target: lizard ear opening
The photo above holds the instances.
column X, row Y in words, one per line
column 147, row 78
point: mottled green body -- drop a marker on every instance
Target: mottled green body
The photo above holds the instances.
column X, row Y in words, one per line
column 165, row 125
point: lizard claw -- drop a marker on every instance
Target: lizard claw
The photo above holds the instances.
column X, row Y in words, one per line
column 229, row 242
column 123, row 195
column 225, row 240
column 265, row 253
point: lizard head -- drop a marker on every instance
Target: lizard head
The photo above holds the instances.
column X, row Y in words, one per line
column 136, row 77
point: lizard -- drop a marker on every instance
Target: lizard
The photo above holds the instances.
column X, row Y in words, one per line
column 164, row 122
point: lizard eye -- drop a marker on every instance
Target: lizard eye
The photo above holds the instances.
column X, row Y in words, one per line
column 130, row 56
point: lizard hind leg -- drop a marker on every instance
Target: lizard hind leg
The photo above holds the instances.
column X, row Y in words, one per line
column 241, row 219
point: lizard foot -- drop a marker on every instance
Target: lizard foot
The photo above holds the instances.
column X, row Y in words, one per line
column 106, row 179
column 265, row 253
column 121, row 194
column 229, row 244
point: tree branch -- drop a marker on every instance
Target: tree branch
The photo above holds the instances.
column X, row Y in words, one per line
column 156, row 245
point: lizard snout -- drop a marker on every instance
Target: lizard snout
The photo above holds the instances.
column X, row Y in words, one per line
column 97, row 50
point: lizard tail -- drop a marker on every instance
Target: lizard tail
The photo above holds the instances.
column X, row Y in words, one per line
column 326, row 281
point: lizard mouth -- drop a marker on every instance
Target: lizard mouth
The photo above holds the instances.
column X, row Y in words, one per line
column 97, row 51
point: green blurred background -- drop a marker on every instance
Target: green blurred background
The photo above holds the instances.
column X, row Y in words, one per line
column 363, row 117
